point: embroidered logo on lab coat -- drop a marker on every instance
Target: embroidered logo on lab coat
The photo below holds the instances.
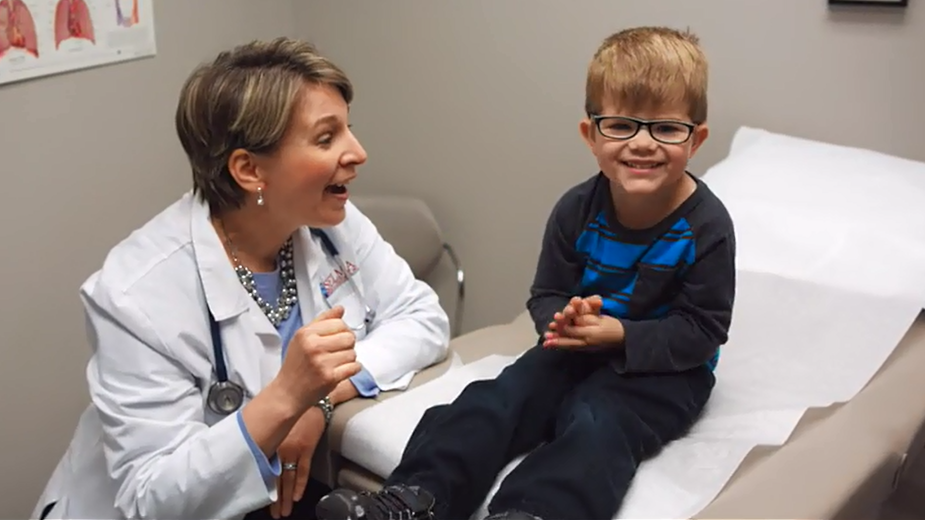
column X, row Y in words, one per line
column 338, row 277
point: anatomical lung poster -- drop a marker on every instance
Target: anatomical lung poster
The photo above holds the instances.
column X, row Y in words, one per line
column 44, row 37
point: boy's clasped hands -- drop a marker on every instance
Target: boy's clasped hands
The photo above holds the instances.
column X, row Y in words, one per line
column 581, row 325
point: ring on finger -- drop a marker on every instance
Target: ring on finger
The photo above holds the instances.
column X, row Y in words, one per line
column 290, row 466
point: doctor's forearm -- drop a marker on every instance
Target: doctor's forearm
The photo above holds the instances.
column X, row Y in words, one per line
column 269, row 417
column 344, row 392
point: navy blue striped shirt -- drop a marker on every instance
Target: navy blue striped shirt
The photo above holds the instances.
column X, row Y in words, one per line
column 672, row 286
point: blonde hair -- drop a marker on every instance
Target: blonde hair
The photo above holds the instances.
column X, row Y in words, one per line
column 245, row 99
column 649, row 67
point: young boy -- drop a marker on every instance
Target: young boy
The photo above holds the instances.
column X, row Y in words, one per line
column 633, row 297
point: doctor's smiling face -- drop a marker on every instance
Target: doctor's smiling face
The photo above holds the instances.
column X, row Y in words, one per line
column 304, row 180
column 265, row 128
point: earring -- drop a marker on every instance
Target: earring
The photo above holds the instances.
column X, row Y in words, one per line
column 260, row 196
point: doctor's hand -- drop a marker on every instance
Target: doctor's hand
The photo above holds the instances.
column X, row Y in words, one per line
column 319, row 356
column 298, row 448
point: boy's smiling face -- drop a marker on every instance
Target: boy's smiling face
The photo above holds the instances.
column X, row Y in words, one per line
column 643, row 165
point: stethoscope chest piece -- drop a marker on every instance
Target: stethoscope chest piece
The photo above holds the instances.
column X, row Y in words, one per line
column 225, row 397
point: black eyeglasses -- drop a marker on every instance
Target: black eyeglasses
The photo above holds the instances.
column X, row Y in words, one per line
column 665, row 131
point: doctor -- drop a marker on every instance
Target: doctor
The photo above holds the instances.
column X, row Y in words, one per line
column 227, row 328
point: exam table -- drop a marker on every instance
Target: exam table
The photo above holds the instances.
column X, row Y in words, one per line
column 840, row 461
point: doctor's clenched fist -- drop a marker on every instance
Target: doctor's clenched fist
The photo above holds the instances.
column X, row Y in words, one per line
column 319, row 356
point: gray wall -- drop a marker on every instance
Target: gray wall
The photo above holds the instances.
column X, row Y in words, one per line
column 470, row 105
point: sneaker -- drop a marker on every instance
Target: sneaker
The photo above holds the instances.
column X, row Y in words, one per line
column 513, row 515
column 392, row 502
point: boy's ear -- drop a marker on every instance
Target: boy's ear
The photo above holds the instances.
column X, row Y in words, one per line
column 701, row 132
column 588, row 131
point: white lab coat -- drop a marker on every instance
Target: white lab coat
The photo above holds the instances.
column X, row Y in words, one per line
column 147, row 446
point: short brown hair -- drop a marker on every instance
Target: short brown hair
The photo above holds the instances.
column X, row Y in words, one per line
column 244, row 99
column 648, row 67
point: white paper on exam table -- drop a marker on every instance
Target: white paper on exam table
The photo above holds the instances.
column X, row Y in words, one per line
column 797, row 202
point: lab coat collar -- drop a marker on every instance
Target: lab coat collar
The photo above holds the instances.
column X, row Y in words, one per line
column 223, row 291
column 224, row 294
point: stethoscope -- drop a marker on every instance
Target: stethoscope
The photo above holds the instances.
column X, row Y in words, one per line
column 226, row 397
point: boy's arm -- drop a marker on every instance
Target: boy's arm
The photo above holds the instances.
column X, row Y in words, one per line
column 698, row 322
column 559, row 268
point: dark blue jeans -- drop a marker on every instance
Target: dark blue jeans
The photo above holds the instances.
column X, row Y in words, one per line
column 589, row 426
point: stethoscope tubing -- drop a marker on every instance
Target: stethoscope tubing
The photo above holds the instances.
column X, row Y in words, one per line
column 232, row 393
